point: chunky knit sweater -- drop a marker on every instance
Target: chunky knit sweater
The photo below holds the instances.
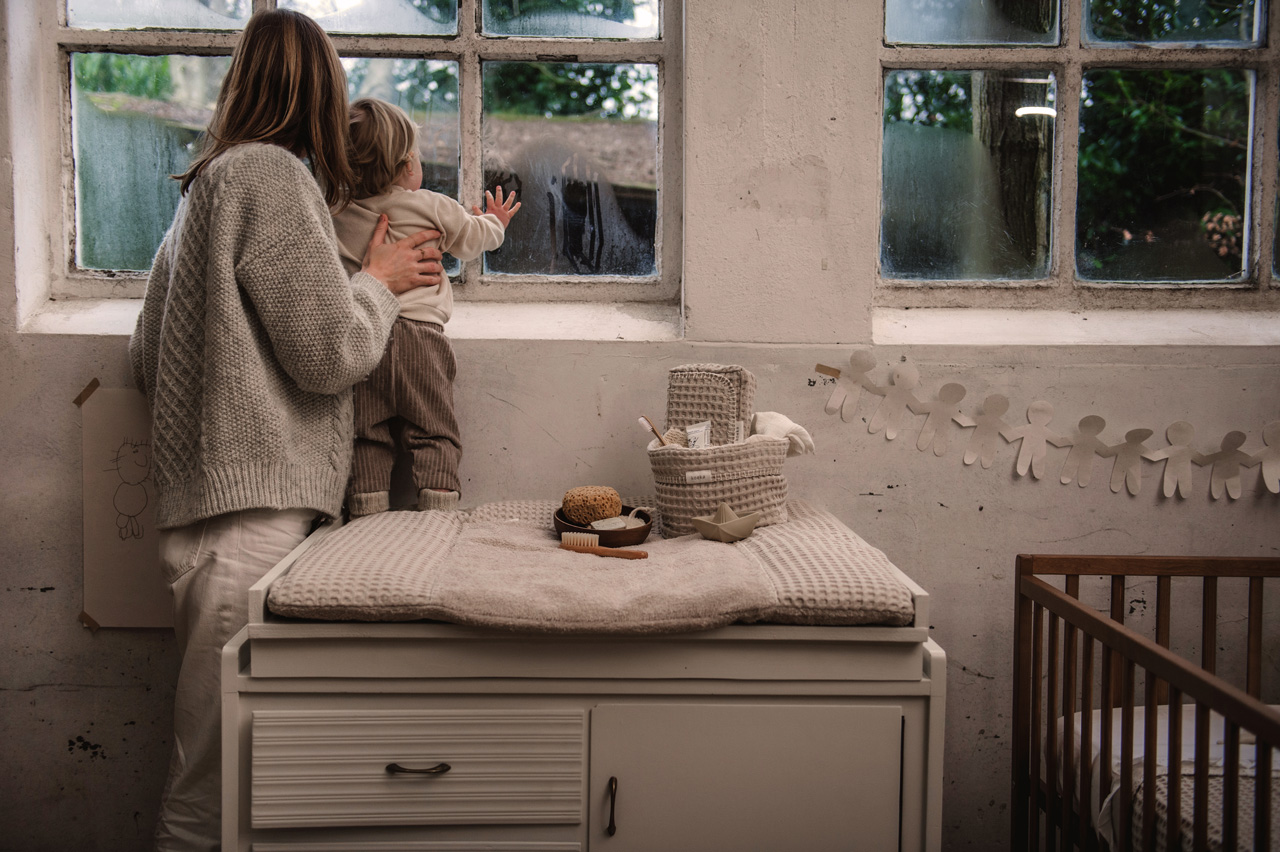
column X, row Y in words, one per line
column 250, row 338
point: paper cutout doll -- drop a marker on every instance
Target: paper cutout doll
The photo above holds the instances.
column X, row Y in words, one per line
column 1034, row 436
column 1226, row 466
column 1270, row 457
column 132, row 462
column 897, row 399
column 1084, row 446
column 988, row 425
column 1177, row 457
column 844, row 397
column 942, row 410
column 1127, row 468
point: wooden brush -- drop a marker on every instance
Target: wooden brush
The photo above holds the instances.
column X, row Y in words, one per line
column 590, row 543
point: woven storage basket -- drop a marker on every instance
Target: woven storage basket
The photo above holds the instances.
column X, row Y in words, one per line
column 725, row 394
column 747, row 476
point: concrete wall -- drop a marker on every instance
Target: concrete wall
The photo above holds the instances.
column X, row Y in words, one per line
column 780, row 254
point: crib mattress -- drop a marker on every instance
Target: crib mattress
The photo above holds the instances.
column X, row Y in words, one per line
column 498, row 565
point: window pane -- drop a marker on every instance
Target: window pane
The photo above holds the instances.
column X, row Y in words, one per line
column 578, row 143
column 971, row 21
column 428, row 91
column 135, row 120
column 1224, row 22
column 1163, row 175
column 401, row 17
column 572, row 18
column 171, row 14
column 966, row 174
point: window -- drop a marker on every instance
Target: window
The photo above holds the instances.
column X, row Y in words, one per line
column 1078, row 153
column 574, row 104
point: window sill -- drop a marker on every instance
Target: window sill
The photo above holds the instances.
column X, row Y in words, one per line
column 471, row 320
column 970, row 327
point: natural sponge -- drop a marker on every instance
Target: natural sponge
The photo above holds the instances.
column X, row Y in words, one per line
column 589, row 503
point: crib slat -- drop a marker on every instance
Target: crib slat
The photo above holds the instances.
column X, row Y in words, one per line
column 1200, row 786
column 1150, row 743
column 1117, row 615
column 1083, row 819
column 1037, row 717
column 1230, row 785
column 1173, row 805
column 1106, row 734
column 1126, row 753
column 1262, row 798
column 1209, row 626
column 1164, row 587
column 1068, row 721
column 1253, row 660
column 1051, row 805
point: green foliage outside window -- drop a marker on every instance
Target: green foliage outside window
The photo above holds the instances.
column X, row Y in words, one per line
column 1156, row 146
column 1181, row 20
column 140, row 76
column 563, row 89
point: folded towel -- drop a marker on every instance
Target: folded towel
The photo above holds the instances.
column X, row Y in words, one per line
column 780, row 426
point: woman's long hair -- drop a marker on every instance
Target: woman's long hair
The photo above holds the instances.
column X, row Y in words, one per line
column 285, row 86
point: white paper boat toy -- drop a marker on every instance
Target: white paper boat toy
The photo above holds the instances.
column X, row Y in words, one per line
column 726, row 525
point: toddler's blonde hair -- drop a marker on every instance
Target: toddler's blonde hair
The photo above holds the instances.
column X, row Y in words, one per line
column 380, row 141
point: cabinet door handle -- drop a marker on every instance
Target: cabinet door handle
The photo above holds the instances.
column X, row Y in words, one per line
column 613, row 799
column 438, row 769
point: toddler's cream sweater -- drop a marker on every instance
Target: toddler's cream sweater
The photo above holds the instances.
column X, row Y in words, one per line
column 465, row 236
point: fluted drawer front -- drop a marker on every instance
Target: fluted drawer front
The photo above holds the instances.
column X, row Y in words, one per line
column 329, row 767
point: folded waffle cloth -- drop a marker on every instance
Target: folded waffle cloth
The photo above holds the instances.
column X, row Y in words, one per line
column 499, row 565
column 780, row 426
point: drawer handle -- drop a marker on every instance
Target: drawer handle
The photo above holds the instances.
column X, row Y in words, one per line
column 438, row 769
column 613, row 798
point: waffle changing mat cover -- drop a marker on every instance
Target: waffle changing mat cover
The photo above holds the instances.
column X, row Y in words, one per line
column 500, row 565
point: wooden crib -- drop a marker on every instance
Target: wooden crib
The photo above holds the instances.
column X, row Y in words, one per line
column 1085, row 684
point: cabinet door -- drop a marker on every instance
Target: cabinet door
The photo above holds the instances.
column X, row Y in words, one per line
column 737, row 777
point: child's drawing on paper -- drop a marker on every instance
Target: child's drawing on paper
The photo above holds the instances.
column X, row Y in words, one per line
column 122, row 582
column 132, row 462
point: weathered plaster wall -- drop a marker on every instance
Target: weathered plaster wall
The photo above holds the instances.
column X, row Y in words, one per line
column 773, row 188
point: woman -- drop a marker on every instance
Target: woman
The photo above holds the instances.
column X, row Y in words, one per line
column 250, row 338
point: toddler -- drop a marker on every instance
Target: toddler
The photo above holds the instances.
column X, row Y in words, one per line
column 407, row 401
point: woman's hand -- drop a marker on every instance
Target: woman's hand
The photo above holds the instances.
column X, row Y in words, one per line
column 503, row 210
column 402, row 265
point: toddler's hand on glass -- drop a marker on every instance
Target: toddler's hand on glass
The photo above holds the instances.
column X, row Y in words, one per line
column 504, row 210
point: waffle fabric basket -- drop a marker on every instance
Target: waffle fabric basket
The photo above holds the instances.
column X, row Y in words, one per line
column 747, row 475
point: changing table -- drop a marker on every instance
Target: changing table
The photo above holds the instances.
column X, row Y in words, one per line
column 425, row 736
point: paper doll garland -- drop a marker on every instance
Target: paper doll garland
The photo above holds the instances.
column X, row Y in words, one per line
column 898, row 400
column 849, row 385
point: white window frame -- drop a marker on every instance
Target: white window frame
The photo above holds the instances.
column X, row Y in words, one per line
column 1061, row 289
column 469, row 48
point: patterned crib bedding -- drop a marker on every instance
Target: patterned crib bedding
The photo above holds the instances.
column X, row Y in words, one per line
column 1214, row 824
column 499, row 565
column 1107, row 812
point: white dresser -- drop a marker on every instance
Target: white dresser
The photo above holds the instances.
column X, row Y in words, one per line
column 427, row 737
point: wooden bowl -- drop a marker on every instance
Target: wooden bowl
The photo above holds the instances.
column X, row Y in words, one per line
column 609, row 538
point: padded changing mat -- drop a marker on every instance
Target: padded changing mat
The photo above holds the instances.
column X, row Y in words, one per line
column 500, row 565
